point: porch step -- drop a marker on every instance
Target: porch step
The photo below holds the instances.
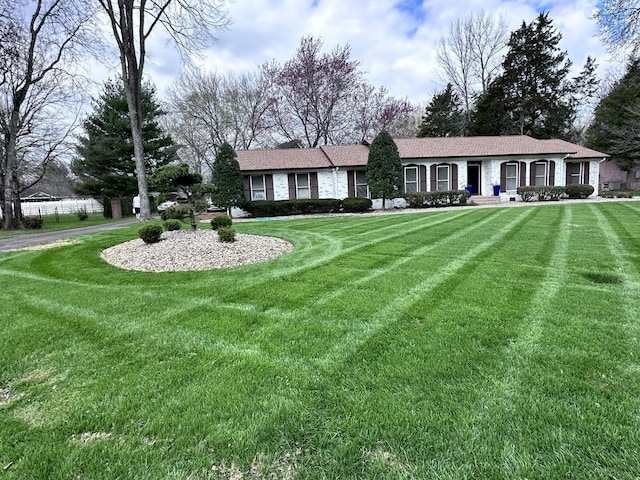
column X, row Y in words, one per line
column 484, row 200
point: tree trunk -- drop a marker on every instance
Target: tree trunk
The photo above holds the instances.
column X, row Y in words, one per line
column 8, row 211
column 116, row 209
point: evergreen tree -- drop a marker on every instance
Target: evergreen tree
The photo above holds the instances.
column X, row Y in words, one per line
column 443, row 116
column 533, row 96
column 177, row 176
column 384, row 168
column 616, row 125
column 228, row 184
column 105, row 165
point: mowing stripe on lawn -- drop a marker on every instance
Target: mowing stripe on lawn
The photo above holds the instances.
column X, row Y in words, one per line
column 341, row 351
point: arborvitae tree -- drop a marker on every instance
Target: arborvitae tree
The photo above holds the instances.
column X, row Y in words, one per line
column 443, row 116
column 105, row 165
column 384, row 168
column 228, row 184
column 616, row 124
column 538, row 97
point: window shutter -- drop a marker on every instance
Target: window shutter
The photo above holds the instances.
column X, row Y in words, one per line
column 434, row 185
column 292, row 186
column 585, row 170
column 454, row 176
column 351, row 183
column 422, row 172
column 269, row 181
column 503, row 177
column 567, row 174
column 313, row 180
column 523, row 174
column 552, row 173
column 532, row 173
column 247, row 187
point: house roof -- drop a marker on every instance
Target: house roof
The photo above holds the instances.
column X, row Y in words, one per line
column 330, row 156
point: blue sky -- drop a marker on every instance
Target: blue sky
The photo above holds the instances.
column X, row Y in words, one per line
column 394, row 40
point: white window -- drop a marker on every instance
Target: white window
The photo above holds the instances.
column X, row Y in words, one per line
column 258, row 191
column 411, row 179
column 511, row 176
column 303, row 189
column 362, row 189
column 442, row 176
column 540, row 174
column 575, row 173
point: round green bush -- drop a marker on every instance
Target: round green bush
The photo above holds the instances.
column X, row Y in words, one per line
column 150, row 233
column 226, row 234
column 174, row 213
column 172, row 224
column 32, row 223
column 221, row 221
column 579, row 190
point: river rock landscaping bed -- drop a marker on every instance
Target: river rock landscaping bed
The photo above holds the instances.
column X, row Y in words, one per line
column 185, row 250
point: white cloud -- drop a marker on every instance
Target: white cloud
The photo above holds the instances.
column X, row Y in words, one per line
column 395, row 46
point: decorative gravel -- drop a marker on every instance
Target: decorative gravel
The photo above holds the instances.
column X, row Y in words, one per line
column 183, row 250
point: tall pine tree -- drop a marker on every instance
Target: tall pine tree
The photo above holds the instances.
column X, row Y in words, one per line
column 443, row 116
column 616, row 125
column 105, row 165
column 384, row 168
column 533, row 96
column 228, row 184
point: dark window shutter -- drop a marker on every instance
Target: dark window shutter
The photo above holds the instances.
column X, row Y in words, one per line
column 269, row 181
column 454, row 176
column 292, row 186
column 422, row 173
column 532, row 173
column 351, row 183
column 567, row 176
column 552, row 173
column 247, row 187
column 503, row 177
column 523, row 174
column 434, row 185
column 313, row 180
column 585, row 170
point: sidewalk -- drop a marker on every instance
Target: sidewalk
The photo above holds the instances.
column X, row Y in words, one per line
column 31, row 239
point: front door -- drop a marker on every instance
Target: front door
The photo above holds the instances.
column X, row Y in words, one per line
column 473, row 177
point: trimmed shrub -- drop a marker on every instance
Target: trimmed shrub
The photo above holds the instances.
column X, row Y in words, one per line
column 540, row 193
column 200, row 206
column 445, row 198
column 82, row 215
column 356, row 204
column 578, row 191
column 528, row 194
column 276, row 208
column 172, row 224
column 150, row 233
column 221, row 221
column 32, row 223
column 175, row 213
column 226, row 234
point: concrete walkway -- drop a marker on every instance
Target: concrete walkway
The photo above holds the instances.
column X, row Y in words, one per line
column 30, row 239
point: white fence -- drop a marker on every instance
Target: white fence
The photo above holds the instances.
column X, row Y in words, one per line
column 34, row 209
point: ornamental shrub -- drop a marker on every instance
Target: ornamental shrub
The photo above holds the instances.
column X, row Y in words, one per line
column 221, row 221
column 226, row 234
column 175, row 213
column 150, row 233
column 356, row 205
column 172, row 224
column 528, row 194
column 82, row 215
column 32, row 223
column 578, row 191
column 445, row 198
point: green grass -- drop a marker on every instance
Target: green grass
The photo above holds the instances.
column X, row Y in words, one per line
column 481, row 343
column 61, row 222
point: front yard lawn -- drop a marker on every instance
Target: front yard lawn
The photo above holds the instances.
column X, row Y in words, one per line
column 481, row 343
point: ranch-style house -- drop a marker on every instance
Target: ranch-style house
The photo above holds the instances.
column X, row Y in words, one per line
column 478, row 164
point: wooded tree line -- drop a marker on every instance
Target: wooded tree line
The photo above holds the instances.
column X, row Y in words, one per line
column 496, row 83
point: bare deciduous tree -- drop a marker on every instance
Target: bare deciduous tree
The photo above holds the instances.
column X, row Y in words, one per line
column 619, row 23
column 189, row 24
column 41, row 41
column 470, row 56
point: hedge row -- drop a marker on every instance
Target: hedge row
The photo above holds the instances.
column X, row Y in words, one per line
column 276, row 208
column 545, row 193
column 446, row 198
